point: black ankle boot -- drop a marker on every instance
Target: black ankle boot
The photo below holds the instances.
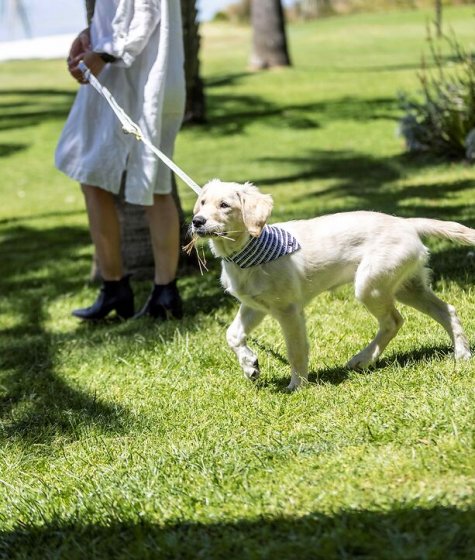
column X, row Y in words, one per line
column 114, row 295
column 164, row 303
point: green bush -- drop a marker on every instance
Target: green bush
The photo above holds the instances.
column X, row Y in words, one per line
column 442, row 120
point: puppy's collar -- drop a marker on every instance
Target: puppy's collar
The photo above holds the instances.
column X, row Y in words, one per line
column 272, row 243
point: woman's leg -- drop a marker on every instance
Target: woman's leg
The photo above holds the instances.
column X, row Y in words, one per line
column 165, row 235
column 116, row 293
column 164, row 301
column 105, row 231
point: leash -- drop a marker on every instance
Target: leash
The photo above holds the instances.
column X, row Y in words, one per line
column 129, row 127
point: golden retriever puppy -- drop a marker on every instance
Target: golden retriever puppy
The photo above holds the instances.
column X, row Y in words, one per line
column 278, row 269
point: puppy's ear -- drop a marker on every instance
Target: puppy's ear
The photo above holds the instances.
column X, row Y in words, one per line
column 256, row 208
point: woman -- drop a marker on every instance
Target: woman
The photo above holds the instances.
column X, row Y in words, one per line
column 137, row 48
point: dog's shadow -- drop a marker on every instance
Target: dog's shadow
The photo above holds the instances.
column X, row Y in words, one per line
column 340, row 374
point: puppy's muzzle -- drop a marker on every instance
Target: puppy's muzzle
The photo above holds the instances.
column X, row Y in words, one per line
column 198, row 224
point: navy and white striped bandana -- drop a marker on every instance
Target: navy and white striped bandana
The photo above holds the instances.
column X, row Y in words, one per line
column 272, row 243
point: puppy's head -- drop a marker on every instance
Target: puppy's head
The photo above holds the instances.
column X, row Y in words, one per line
column 229, row 210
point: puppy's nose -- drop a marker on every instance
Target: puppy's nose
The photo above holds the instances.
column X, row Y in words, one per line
column 198, row 221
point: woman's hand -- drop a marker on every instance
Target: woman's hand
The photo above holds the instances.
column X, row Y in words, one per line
column 80, row 45
column 81, row 50
column 91, row 59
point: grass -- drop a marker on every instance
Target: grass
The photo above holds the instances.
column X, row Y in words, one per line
column 143, row 440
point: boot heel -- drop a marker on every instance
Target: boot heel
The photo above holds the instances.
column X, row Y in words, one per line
column 125, row 310
column 164, row 303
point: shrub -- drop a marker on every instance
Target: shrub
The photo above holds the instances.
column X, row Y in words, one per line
column 237, row 12
column 442, row 121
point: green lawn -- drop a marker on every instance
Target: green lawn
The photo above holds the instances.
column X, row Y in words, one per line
column 142, row 440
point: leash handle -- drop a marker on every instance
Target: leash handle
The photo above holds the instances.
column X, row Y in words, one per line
column 129, row 127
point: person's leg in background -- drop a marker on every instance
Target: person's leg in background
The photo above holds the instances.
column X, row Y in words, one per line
column 116, row 293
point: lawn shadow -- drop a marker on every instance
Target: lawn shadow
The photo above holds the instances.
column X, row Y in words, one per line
column 370, row 183
column 39, row 266
column 10, row 149
column 229, row 113
column 339, row 374
column 399, row 533
column 36, row 403
column 35, row 217
column 231, row 79
column 33, row 106
column 456, row 264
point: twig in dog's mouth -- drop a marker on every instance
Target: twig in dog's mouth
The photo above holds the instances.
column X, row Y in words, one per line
column 201, row 258
column 188, row 248
column 224, row 236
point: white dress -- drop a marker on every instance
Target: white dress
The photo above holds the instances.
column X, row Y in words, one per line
column 147, row 81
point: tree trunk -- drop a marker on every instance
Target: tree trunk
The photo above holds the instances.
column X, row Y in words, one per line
column 269, row 45
column 195, row 111
column 90, row 5
column 438, row 18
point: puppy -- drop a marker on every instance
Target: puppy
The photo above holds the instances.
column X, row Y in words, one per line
column 382, row 255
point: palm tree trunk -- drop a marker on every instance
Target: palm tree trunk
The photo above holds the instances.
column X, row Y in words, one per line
column 90, row 5
column 269, row 37
column 438, row 17
column 195, row 111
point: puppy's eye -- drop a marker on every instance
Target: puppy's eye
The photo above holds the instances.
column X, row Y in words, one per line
column 202, row 202
column 224, row 205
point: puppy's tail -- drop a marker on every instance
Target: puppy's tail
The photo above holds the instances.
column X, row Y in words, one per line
column 447, row 230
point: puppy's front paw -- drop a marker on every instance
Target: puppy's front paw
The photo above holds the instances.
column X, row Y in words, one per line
column 359, row 362
column 251, row 370
column 296, row 384
column 463, row 354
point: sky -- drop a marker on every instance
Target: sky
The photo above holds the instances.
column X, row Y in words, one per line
column 48, row 17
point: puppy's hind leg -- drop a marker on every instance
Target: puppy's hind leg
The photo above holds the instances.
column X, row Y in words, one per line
column 245, row 321
column 419, row 295
column 376, row 293
column 390, row 321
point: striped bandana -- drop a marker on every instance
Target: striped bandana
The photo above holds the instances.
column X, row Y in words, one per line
column 271, row 244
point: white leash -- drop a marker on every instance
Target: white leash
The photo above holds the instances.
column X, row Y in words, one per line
column 129, row 127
